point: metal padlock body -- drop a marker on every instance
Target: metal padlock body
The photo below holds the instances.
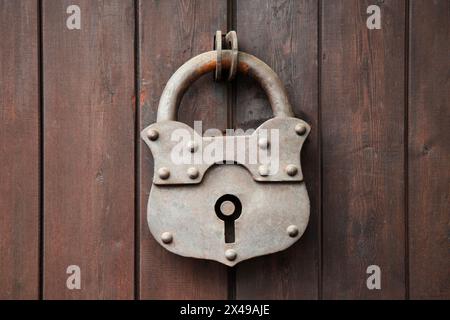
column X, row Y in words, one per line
column 181, row 207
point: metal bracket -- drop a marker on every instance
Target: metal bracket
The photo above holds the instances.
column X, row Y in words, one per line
column 291, row 133
column 229, row 42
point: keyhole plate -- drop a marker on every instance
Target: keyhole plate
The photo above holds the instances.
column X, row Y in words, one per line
column 187, row 212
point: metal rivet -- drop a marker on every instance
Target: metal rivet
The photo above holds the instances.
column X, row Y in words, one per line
column 231, row 254
column 292, row 231
column 263, row 170
column 152, row 134
column 193, row 173
column 291, row 170
column 164, row 173
column 300, row 129
column 227, row 208
column 192, row 146
column 166, row 237
column 263, row 143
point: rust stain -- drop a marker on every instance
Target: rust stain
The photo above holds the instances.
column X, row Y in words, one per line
column 243, row 67
column 142, row 97
column 226, row 63
column 208, row 67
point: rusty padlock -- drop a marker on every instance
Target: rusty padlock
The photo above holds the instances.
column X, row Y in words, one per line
column 232, row 208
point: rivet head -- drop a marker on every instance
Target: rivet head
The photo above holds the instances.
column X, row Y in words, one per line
column 291, row 170
column 152, row 134
column 193, row 173
column 164, row 173
column 263, row 143
column 192, row 146
column 231, row 254
column 166, row 237
column 292, row 231
column 300, row 129
column 263, row 170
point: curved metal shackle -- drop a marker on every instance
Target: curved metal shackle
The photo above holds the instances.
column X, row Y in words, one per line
column 206, row 62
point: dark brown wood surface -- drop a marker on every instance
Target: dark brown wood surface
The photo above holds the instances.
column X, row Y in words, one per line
column 19, row 150
column 429, row 150
column 283, row 34
column 376, row 164
column 89, row 149
column 170, row 33
column 363, row 113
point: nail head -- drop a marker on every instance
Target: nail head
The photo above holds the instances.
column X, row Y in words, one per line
column 292, row 231
column 192, row 146
column 193, row 173
column 300, row 129
column 166, row 237
column 263, row 170
column 152, row 134
column 231, row 254
column 291, row 170
column 164, row 173
column 263, row 143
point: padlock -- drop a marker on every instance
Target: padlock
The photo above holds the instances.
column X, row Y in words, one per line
column 235, row 206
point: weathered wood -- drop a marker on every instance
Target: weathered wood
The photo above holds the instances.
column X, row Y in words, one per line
column 362, row 94
column 284, row 34
column 89, row 149
column 19, row 150
column 171, row 32
column 429, row 150
column 357, row 146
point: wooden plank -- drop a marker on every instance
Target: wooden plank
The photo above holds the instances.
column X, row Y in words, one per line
column 429, row 150
column 171, row 32
column 284, row 35
column 362, row 94
column 19, row 155
column 89, row 149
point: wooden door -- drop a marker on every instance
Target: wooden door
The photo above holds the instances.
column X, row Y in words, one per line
column 371, row 77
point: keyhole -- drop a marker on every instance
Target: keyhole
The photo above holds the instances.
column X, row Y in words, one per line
column 228, row 208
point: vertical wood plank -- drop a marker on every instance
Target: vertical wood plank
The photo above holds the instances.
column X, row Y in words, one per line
column 429, row 150
column 362, row 94
column 284, row 34
column 89, row 149
column 19, row 150
column 171, row 32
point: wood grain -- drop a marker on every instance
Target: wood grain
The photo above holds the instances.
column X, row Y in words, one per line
column 89, row 149
column 429, row 150
column 283, row 34
column 171, row 32
column 362, row 94
column 19, row 150
column 370, row 204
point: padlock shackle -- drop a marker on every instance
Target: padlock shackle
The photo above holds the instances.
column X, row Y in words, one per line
column 206, row 62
